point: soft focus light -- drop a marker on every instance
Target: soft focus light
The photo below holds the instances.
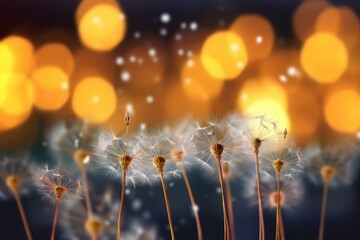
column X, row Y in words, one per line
column 341, row 110
column 257, row 33
column 57, row 55
column 342, row 22
column 94, row 100
column 224, row 55
column 305, row 16
column 324, row 57
column 51, row 86
column 197, row 83
column 257, row 89
column 101, row 24
column 17, row 55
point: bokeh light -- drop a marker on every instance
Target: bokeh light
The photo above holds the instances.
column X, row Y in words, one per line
column 94, row 100
column 262, row 88
column 57, row 55
column 17, row 55
column 197, row 83
column 101, row 24
column 224, row 55
column 324, row 57
column 51, row 86
column 340, row 112
column 257, row 33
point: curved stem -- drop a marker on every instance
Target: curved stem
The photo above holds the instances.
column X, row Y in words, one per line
column 86, row 192
column 278, row 234
column 227, row 234
column 192, row 200
column 22, row 214
column 55, row 219
column 261, row 213
column 230, row 207
column 282, row 229
column 167, row 206
column 323, row 210
column 122, row 200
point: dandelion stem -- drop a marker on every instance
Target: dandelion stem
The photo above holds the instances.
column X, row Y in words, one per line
column 323, row 210
column 191, row 196
column 227, row 234
column 122, row 200
column 278, row 209
column 86, row 192
column 55, row 219
column 230, row 207
column 261, row 213
column 282, row 229
column 167, row 206
column 22, row 214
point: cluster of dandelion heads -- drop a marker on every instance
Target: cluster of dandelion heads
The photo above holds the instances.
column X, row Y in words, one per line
column 15, row 173
column 114, row 155
column 56, row 184
column 216, row 140
column 156, row 152
column 334, row 164
column 101, row 224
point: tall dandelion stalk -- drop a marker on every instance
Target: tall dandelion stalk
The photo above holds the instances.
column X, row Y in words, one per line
column 327, row 173
column 227, row 174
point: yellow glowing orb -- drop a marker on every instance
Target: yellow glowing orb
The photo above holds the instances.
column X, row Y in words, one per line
column 224, row 55
column 341, row 111
column 257, row 33
column 17, row 55
column 273, row 110
column 257, row 89
column 51, row 88
column 102, row 27
column 57, row 55
column 94, row 100
column 197, row 83
column 324, row 57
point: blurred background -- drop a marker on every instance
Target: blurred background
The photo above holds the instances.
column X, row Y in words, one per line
column 164, row 61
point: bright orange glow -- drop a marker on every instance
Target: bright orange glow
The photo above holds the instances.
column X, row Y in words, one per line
column 258, row 89
column 324, row 57
column 17, row 55
column 102, row 27
column 57, row 55
column 340, row 110
column 224, row 55
column 197, row 83
column 94, row 100
column 257, row 33
column 51, row 88
column 305, row 16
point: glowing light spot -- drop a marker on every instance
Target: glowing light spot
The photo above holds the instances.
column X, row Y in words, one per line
column 119, row 61
column 149, row 99
column 165, row 18
column 137, row 35
column 152, row 52
column 183, row 25
column 125, row 76
column 193, row 26
column 163, row 32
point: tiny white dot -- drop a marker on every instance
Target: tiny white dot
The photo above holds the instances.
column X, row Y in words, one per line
column 132, row 58
column 163, row 32
column 180, row 52
column 283, row 78
column 137, row 35
column 259, row 39
column 119, row 61
column 149, row 99
column 183, row 25
column 193, row 26
column 152, row 52
column 165, row 18
column 125, row 76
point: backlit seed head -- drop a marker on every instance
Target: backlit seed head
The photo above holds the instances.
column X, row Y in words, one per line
column 274, row 198
column 159, row 163
column 125, row 161
column 127, row 118
column 81, row 158
column 177, row 154
column 327, row 172
column 94, row 227
column 217, row 149
column 59, row 192
column 278, row 165
column 13, row 182
column 256, row 145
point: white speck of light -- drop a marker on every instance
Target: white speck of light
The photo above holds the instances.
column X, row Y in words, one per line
column 122, row 17
column 293, row 71
column 119, row 61
column 129, row 108
column 95, row 99
column 234, row 47
column 218, row 190
column 64, row 86
column 127, row 191
column 149, row 99
column 259, row 39
column 125, row 76
column 163, row 32
column 193, row 26
column 190, row 63
column 171, row 184
column 358, row 135
column 137, row 35
column 143, row 126
column 132, row 58
column 195, row 208
column 165, row 18
column 181, row 52
column 283, row 78
column 244, row 97
column 189, row 53
column 240, row 65
column 178, row 37
column 136, row 204
column 183, row 25
column 152, row 52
